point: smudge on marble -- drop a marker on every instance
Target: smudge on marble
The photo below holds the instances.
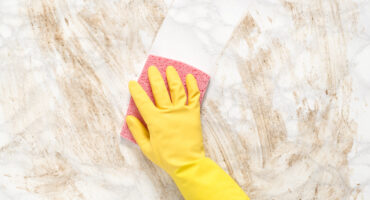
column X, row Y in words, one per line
column 67, row 127
column 276, row 116
column 271, row 164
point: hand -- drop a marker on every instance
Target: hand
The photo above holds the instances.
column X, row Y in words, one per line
column 174, row 140
column 174, row 135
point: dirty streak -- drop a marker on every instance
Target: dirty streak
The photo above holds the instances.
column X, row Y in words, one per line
column 88, row 121
column 317, row 156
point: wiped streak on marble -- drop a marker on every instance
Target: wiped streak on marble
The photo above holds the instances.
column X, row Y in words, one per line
column 71, row 69
column 63, row 102
column 269, row 88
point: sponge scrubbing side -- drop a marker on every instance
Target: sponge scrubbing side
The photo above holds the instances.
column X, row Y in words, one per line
column 162, row 63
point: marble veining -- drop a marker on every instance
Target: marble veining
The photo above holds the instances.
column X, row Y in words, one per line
column 286, row 113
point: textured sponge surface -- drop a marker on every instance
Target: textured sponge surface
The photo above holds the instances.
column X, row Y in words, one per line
column 162, row 63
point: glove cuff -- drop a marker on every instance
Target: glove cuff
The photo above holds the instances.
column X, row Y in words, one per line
column 204, row 179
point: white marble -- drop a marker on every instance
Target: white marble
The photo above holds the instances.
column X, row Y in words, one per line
column 196, row 31
column 286, row 113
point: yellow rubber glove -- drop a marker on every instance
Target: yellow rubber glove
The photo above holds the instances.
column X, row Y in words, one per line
column 174, row 140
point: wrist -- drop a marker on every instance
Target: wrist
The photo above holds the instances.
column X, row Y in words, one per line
column 204, row 179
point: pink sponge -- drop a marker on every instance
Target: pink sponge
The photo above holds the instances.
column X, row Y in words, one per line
column 162, row 63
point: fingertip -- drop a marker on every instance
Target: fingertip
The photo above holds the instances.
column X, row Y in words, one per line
column 176, row 86
column 152, row 69
column 153, row 73
column 190, row 77
column 131, row 84
column 193, row 90
column 191, row 81
column 134, row 124
column 129, row 118
column 139, row 132
column 158, row 87
column 170, row 69
column 141, row 99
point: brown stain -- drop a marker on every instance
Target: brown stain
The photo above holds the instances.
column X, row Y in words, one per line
column 91, row 115
column 254, row 73
column 247, row 30
column 325, row 127
column 53, row 177
column 294, row 158
column 219, row 127
column 326, row 119
column 269, row 125
column 106, row 30
column 88, row 124
column 332, row 111
column 218, row 143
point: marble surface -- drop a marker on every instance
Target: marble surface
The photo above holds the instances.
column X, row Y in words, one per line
column 286, row 113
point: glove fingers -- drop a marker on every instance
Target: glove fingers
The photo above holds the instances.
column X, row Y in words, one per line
column 193, row 90
column 160, row 93
column 140, row 134
column 177, row 90
column 141, row 99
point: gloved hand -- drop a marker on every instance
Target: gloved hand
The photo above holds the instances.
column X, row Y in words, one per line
column 174, row 140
